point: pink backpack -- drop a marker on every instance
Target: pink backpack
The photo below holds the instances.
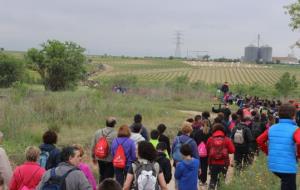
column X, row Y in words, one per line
column 202, row 150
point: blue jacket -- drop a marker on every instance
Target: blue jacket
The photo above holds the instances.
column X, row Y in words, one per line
column 192, row 143
column 187, row 174
column 282, row 147
column 54, row 155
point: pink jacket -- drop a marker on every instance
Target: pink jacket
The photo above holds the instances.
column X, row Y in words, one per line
column 29, row 174
column 88, row 173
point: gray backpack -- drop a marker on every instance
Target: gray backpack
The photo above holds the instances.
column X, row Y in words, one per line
column 238, row 137
column 145, row 175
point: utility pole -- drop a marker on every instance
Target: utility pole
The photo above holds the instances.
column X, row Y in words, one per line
column 258, row 39
column 178, row 44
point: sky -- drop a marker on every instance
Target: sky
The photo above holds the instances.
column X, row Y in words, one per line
column 148, row 28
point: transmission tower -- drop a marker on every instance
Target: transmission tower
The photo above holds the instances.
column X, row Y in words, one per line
column 178, row 44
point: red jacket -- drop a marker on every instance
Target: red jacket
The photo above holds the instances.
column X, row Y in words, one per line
column 228, row 144
column 29, row 174
column 263, row 139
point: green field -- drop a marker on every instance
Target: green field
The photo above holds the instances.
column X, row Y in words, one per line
column 166, row 70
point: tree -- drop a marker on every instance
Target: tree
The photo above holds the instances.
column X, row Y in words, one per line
column 294, row 11
column 206, row 57
column 59, row 64
column 286, row 84
column 11, row 70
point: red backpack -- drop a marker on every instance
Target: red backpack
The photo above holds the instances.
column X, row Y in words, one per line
column 218, row 149
column 119, row 160
column 102, row 147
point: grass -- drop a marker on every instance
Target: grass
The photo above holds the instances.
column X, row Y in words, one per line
column 257, row 176
column 27, row 112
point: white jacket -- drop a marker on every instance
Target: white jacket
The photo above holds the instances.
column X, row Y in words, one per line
column 137, row 137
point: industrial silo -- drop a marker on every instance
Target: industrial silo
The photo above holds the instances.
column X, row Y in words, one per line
column 251, row 53
column 265, row 54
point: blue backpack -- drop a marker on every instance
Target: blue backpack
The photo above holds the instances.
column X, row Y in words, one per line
column 44, row 158
column 177, row 156
column 56, row 182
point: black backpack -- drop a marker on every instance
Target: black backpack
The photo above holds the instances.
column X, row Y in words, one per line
column 56, row 182
column 256, row 129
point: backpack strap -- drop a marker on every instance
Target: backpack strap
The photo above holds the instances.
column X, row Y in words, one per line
column 106, row 134
column 188, row 141
column 52, row 172
column 63, row 178
column 68, row 172
column 156, row 168
column 122, row 142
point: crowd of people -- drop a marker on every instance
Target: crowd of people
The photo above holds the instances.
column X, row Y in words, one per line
column 129, row 158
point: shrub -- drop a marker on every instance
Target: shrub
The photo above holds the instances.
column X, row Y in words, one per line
column 124, row 81
column 179, row 84
column 11, row 70
column 59, row 64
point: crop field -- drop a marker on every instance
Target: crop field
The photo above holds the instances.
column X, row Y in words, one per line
column 210, row 73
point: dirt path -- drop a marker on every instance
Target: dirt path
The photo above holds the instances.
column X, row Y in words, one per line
column 107, row 69
column 193, row 113
column 229, row 177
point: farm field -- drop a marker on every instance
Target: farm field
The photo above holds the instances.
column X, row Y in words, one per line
column 152, row 70
column 30, row 110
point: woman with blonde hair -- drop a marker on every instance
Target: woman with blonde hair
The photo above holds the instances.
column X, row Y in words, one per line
column 184, row 138
column 124, row 142
column 85, row 168
column 29, row 174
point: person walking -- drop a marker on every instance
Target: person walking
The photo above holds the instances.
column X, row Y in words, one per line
column 5, row 167
column 108, row 134
column 145, row 173
column 138, row 119
column 201, row 138
column 50, row 154
column 242, row 139
column 67, row 170
column 85, row 168
column 279, row 142
column 218, row 147
column 186, row 172
column 29, row 174
column 124, row 142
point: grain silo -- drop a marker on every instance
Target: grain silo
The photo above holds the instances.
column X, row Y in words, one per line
column 251, row 53
column 265, row 54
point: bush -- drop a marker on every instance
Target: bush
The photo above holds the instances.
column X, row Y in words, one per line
column 179, row 84
column 11, row 70
column 123, row 81
column 59, row 64
column 20, row 90
column 286, row 84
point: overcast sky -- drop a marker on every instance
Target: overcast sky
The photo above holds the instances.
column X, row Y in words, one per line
column 147, row 28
